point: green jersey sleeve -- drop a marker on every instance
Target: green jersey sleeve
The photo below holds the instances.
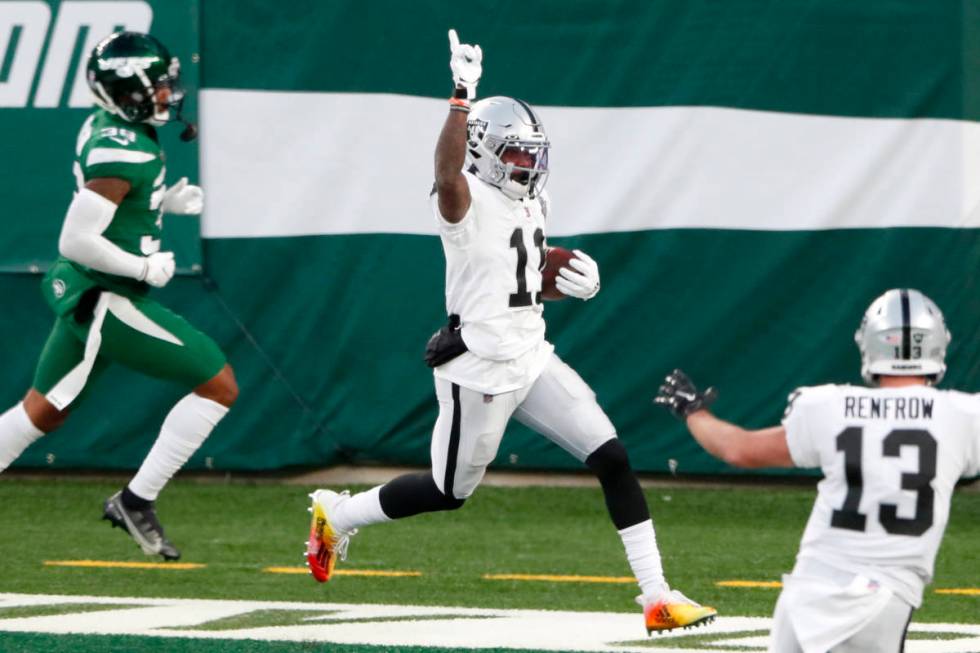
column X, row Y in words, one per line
column 111, row 147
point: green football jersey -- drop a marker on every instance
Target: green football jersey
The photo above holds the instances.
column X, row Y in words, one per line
column 109, row 146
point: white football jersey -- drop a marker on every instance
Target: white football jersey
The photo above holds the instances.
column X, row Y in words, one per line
column 494, row 257
column 891, row 458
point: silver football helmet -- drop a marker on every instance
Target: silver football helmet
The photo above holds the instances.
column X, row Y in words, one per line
column 498, row 125
column 902, row 334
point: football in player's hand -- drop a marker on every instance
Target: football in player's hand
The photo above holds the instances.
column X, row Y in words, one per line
column 556, row 259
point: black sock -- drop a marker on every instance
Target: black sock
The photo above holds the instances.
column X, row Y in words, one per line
column 134, row 502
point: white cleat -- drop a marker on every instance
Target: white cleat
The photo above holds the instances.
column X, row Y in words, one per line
column 326, row 543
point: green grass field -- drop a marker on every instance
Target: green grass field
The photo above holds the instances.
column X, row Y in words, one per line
column 239, row 529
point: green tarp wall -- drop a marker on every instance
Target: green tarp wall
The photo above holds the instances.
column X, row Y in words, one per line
column 748, row 262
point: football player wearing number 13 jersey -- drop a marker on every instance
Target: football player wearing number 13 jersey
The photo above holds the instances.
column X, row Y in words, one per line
column 891, row 455
column 492, row 362
column 99, row 287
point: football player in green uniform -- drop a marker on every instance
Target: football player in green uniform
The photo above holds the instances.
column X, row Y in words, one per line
column 99, row 286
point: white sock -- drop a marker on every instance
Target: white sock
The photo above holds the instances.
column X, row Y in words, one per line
column 187, row 426
column 644, row 557
column 17, row 432
column 362, row 509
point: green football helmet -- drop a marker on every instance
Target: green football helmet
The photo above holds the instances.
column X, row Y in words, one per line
column 126, row 71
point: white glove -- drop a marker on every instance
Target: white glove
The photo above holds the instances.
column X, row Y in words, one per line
column 159, row 269
column 583, row 280
column 183, row 199
column 466, row 63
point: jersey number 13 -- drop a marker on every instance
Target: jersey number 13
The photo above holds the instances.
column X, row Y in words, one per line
column 848, row 517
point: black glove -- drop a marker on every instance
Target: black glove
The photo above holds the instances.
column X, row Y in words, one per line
column 681, row 398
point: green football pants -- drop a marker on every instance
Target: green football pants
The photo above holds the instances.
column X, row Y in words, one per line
column 138, row 333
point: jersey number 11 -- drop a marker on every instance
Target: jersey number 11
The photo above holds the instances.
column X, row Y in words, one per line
column 523, row 296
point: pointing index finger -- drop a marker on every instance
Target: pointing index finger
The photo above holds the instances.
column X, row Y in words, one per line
column 453, row 40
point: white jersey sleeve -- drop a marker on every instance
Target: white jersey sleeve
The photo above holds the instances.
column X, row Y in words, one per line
column 459, row 234
column 803, row 447
column 970, row 405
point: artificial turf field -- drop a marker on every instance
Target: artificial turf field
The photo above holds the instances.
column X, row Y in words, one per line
column 239, row 530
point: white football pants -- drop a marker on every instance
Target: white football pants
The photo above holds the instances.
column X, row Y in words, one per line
column 825, row 610
column 559, row 405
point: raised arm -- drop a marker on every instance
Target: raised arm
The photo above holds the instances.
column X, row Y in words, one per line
column 735, row 445
column 451, row 186
column 453, row 192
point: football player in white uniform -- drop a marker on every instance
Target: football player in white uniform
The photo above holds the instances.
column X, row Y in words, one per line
column 492, row 361
column 891, row 455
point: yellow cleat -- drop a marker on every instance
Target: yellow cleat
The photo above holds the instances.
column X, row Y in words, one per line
column 673, row 610
column 325, row 544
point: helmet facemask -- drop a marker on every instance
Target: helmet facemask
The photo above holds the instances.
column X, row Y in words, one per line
column 169, row 109
column 522, row 180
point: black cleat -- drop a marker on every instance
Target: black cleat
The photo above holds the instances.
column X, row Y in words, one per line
column 142, row 525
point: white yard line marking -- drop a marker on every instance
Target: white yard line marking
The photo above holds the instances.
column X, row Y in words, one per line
column 393, row 625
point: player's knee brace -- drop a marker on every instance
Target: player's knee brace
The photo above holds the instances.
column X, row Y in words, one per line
column 609, row 460
column 624, row 498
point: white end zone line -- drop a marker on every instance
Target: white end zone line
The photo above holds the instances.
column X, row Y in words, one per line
column 449, row 627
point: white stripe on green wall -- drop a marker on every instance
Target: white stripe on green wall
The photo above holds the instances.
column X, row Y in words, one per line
column 291, row 164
